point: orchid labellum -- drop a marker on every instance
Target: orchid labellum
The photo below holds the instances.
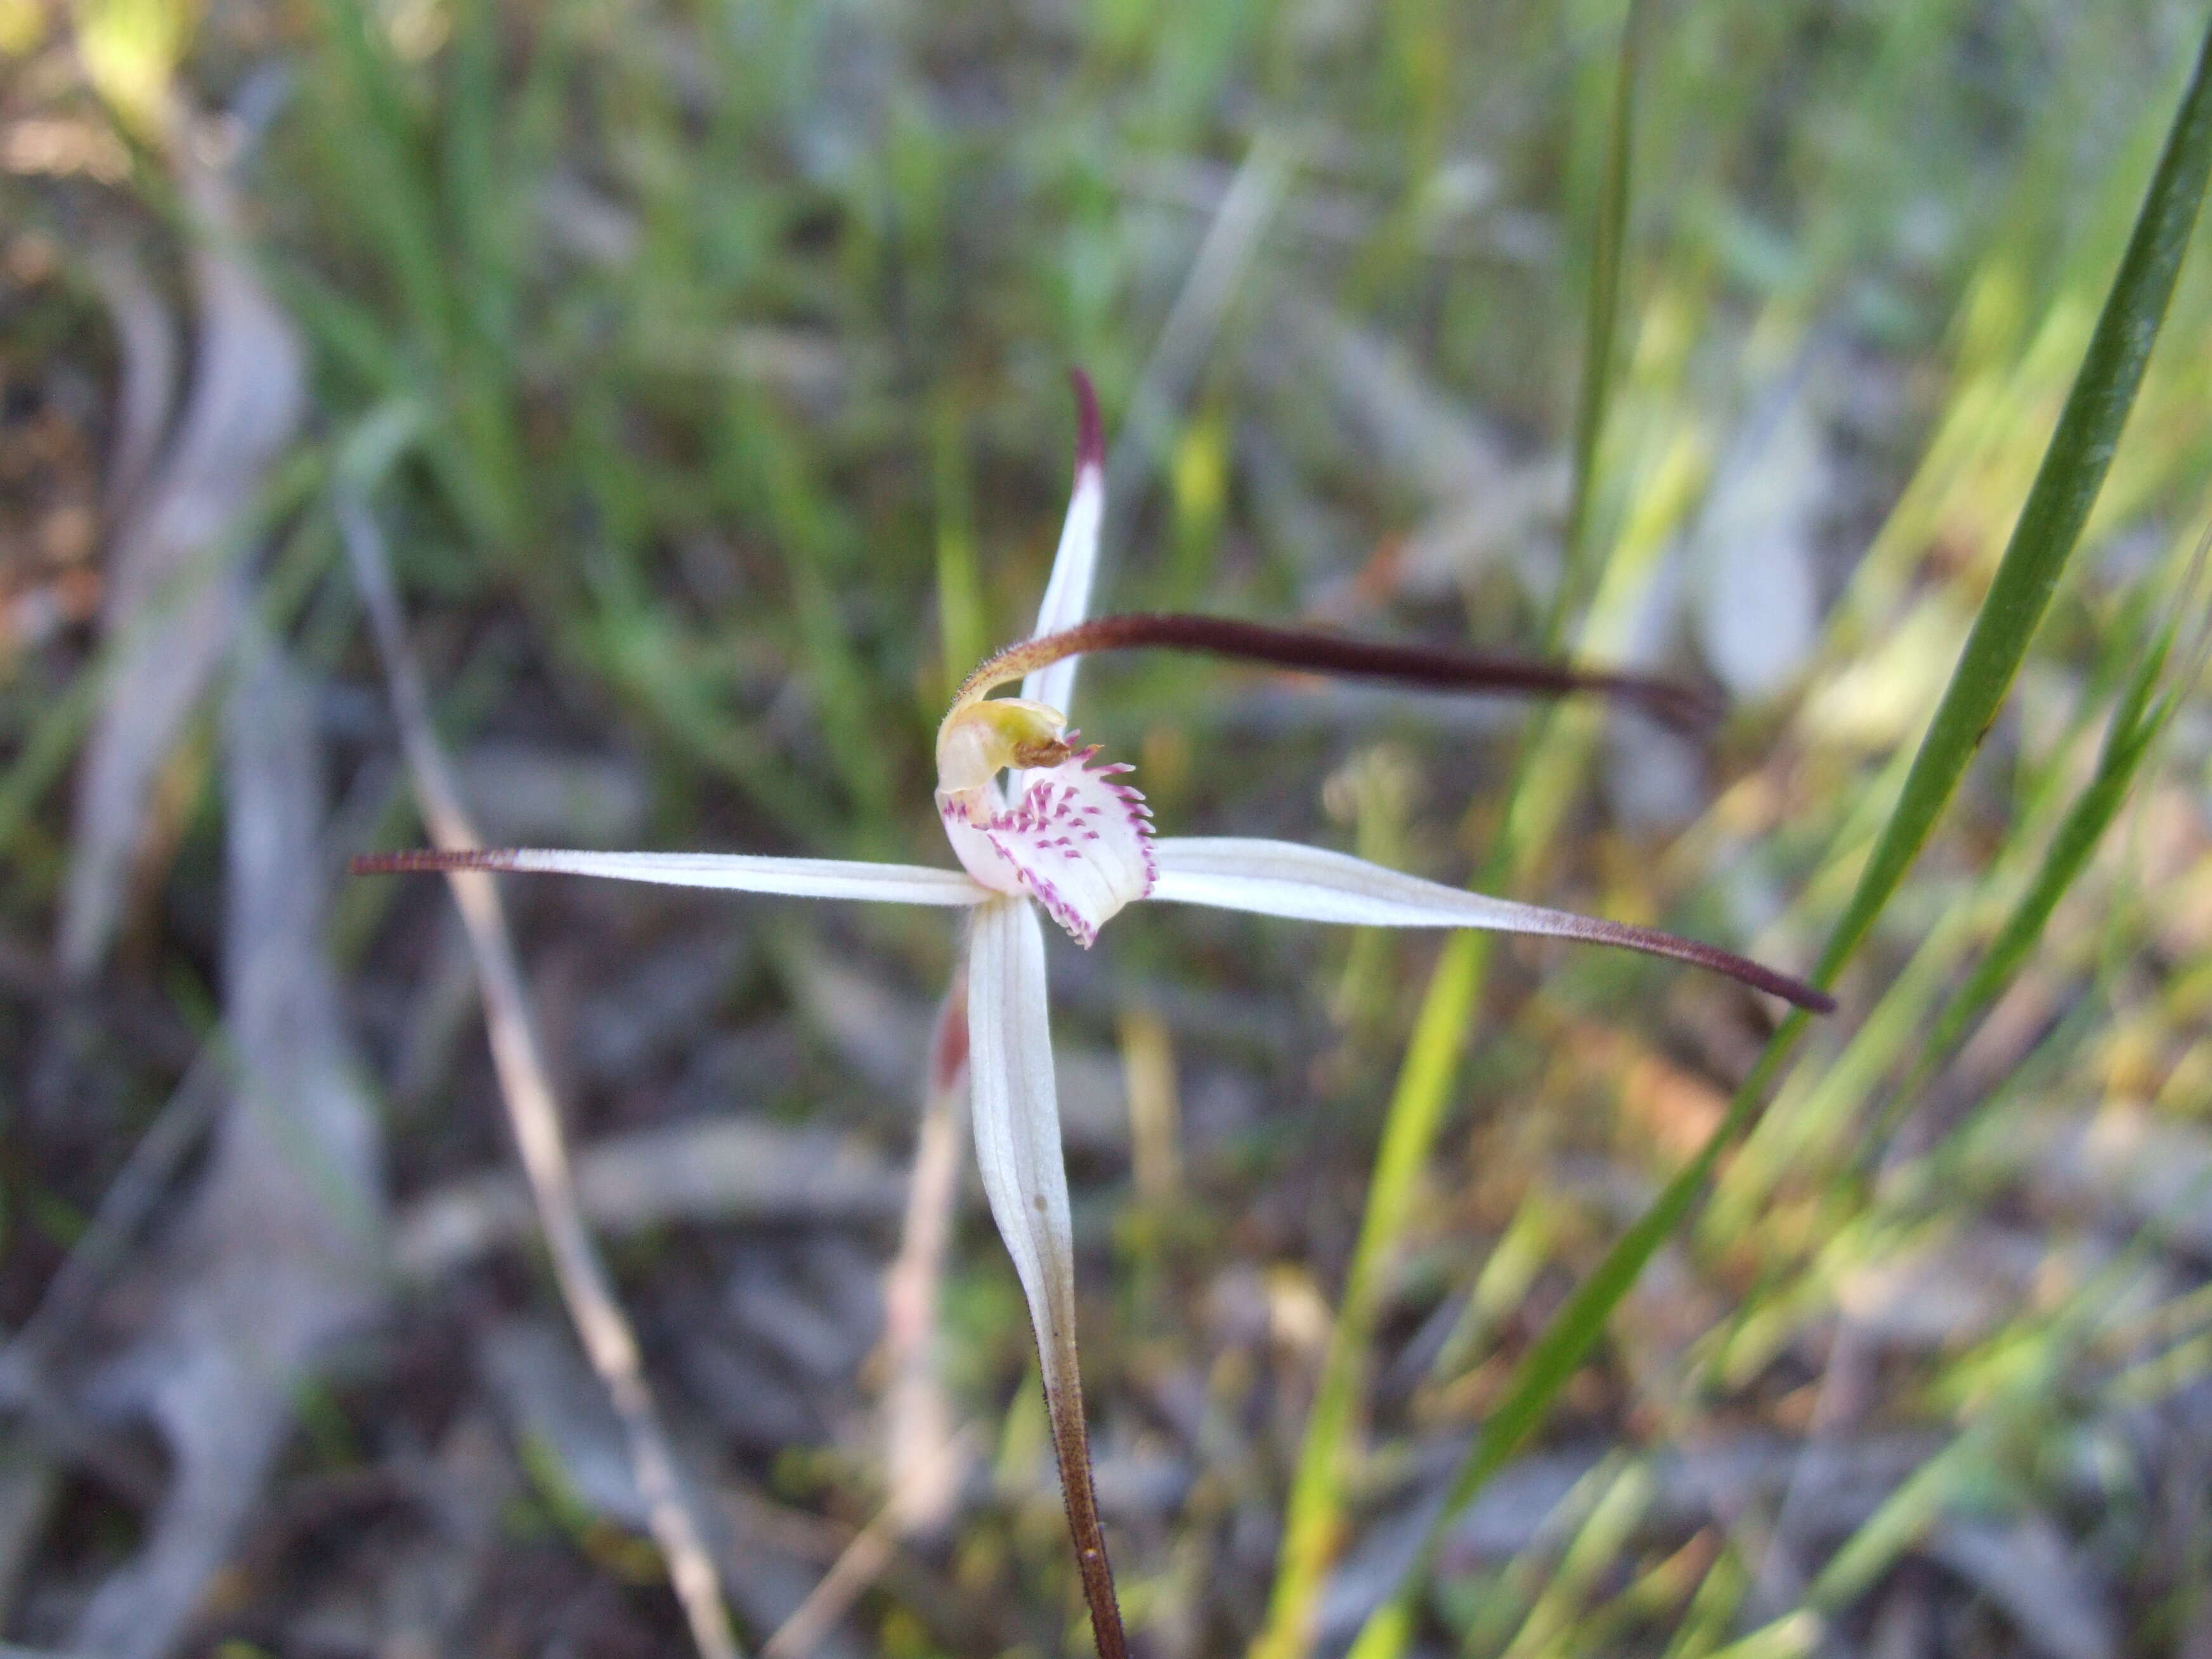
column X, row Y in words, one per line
column 1038, row 824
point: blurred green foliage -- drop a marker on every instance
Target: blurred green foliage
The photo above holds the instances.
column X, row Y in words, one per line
column 706, row 361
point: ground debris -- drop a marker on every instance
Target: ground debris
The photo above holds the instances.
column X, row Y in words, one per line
column 282, row 1249
column 173, row 597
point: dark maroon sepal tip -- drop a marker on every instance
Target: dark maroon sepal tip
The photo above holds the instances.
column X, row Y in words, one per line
column 419, row 861
column 1090, row 431
column 1762, row 978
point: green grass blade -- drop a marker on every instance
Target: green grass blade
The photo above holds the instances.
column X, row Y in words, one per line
column 2140, row 719
column 370, row 136
column 962, row 625
column 1600, row 324
column 477, row 188
column 768, row 476
column 2054, row 827
column 2058, row 503
column 1313, row 1524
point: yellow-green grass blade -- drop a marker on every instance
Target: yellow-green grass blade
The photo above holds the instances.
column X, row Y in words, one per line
column 1313, row 1524
column 2048, row 528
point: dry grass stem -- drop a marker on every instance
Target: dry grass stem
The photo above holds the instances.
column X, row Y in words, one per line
column 849, row 1576
column 923, row 1453
column 527, row 1087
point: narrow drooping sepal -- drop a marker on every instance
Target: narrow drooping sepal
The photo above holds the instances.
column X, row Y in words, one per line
column 1078, row 841
column 1310, row 884
column 1016, row 1110
column 1075, row 564
column 742, row 873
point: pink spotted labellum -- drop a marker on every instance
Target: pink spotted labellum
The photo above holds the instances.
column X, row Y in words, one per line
column 1071, row 837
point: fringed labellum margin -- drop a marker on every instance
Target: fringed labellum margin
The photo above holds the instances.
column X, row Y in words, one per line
column 1076, row 842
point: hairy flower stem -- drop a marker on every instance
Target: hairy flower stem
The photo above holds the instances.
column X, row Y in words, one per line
column 1685, row 707
column 1071, row 1445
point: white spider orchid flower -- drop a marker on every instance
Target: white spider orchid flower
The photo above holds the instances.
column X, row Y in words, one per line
column 1077, row 842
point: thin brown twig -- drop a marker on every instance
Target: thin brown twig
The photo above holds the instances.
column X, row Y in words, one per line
column 922, row 1452
column 920, row 1443
column 855, row 1568
column 534, row 1113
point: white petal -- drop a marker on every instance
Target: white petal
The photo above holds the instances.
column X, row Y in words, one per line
column 1068, row 594
column 1076, row 842
column 830, row 879
column 1309, row 883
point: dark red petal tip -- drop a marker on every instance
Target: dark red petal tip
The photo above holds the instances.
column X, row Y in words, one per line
column 1811, row 1000
column 1743, row 969
column 418, row 862
column 1090, row 431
